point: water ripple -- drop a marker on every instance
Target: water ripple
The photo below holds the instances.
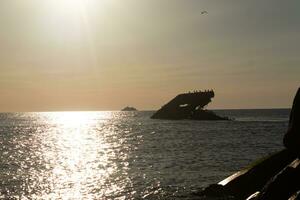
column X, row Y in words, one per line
column 123, row 155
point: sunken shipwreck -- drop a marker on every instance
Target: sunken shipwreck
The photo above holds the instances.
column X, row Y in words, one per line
column 189, row 105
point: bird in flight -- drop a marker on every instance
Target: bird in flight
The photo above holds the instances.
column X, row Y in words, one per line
column 204, row 12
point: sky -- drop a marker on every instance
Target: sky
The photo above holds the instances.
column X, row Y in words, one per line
column 58, row 55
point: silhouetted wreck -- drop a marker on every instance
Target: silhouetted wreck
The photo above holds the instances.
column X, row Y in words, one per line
column 189, row 106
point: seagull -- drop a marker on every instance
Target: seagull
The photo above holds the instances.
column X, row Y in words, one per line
column 204, row 12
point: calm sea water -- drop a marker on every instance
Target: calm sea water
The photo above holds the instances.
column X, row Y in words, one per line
column 126, row 155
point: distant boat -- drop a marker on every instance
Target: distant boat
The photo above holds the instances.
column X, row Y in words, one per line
column 128, row 108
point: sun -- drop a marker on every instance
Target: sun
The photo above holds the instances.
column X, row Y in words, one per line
column 73, row 11
column 71, row 5
column 65, row 20
column 67, row 7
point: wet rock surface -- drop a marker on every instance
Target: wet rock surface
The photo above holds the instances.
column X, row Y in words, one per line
column 276, row 177
column 249, row 181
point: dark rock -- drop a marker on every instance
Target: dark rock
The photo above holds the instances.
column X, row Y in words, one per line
column 246, row 182
column 295, row 196
column 214, row 190
column 277, row 177
column 284, row 184
column 292, row 138
column 253, row 196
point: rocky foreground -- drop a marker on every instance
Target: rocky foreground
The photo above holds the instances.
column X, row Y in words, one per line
column 248, row 183
column 274, row 178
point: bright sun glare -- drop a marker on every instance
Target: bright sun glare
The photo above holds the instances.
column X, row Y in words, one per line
column 73, row 119
column 69, row 8
column 77, row 154
column 71, row 4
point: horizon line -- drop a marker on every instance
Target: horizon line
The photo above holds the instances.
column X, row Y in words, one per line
column 146, row 110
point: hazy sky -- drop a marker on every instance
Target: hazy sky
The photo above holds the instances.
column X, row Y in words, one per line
column 106, row 54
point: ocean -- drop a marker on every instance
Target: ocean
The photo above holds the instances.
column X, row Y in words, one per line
column 127, row 155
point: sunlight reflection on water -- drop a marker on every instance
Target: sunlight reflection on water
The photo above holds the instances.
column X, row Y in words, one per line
column 123, row 155
column 78, row 155
column 68, row 155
